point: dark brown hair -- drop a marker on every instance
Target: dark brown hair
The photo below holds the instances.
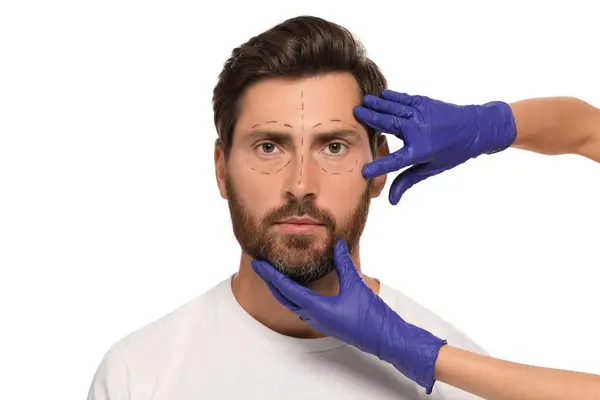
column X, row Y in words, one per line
column 298, row 47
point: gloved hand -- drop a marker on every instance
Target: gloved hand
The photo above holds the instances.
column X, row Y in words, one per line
column 437, row 136
column 359, row 317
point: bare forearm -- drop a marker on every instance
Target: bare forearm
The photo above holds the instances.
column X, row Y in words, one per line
column 558, row 125
column 495, row 379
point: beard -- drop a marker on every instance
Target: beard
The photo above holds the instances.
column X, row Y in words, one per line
column 303, row 258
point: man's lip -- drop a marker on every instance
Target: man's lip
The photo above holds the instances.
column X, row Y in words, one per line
column 300, row 221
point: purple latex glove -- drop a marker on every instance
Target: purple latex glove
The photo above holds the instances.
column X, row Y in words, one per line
column 359, row 317
column 437, row 136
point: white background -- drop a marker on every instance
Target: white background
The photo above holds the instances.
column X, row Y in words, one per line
column 110, row 216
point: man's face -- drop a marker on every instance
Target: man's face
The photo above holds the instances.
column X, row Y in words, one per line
column 293, row 178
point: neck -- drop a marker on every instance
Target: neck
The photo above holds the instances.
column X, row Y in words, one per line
column 254, row 296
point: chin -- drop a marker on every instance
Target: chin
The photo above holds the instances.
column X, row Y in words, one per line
column 303, row 258
column 308, row 246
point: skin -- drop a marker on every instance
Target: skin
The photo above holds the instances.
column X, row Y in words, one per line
column 298, row 105
column 495, row 379
column 557, row 125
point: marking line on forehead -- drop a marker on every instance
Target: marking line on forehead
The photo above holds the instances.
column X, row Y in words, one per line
column 332, row 120
column 271, row 122
column 302, row 135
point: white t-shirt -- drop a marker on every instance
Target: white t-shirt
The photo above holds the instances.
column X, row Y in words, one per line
column 210, row 348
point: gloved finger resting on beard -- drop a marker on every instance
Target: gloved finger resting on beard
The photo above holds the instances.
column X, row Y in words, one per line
column 290, row 290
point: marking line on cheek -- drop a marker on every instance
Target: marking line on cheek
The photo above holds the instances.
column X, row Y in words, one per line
column 330, row 172
column 286, row 164
column 355, row 164
column 262, row 172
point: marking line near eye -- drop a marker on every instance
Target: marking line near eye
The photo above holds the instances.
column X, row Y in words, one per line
column 332, row 160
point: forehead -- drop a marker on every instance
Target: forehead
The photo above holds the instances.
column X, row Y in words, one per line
column 297, row 101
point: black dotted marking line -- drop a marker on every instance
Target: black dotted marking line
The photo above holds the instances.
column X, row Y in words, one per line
column 302, row 136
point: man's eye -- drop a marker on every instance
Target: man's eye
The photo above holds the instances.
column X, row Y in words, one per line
column 335, row 148
column 267, row 147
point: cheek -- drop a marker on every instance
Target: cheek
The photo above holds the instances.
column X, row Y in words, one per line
column 350, row 182
column 254, row 191
column 341, row 193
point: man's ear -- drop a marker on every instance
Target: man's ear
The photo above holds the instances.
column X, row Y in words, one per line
column 220, row 168
column 381, row 150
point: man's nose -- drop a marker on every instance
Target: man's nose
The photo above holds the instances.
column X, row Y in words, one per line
column 303, row 177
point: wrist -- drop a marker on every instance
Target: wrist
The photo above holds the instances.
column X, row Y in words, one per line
column 414, row 353
column 497, row 127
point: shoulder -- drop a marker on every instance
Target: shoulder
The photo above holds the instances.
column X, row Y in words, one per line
column 419, row 315
column 172, row 329
column 112, row 378
column 145, row 354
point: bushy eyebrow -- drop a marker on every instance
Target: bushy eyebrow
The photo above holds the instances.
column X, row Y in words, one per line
column 274, row 136
column 332, row 134
column 287, row 137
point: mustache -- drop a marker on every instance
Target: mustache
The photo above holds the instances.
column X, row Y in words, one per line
column 295, row 208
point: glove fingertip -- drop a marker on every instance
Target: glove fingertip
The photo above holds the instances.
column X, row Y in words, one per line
column 344, row 265
column 370, row 171
column 340, row 251
column 340, row 247
column 397, row 192
column 385, row 165
column 360, row 110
